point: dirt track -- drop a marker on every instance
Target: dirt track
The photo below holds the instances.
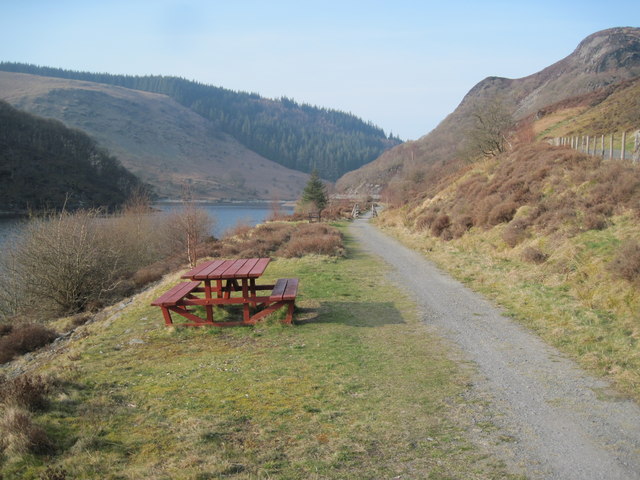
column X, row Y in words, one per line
column 554, row 420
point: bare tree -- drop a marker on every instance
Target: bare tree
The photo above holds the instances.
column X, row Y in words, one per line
column 491, row 124
column 188, row 227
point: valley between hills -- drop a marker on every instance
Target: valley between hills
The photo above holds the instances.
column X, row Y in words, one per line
column 394, row 368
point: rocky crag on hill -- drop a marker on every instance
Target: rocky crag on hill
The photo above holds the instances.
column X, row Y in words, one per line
column 600, row 61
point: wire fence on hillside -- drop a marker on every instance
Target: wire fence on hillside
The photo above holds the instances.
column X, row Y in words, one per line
column 625, row 145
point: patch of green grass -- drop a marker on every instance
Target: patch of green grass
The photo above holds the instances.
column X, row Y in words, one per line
column 357, row 389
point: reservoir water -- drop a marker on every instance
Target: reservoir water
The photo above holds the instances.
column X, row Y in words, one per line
column 225, row 216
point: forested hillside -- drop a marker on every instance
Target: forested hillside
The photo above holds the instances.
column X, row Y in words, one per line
column 300, row 137
column 44, row 165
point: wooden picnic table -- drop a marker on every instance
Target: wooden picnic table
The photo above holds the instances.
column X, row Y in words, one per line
column 228, row 282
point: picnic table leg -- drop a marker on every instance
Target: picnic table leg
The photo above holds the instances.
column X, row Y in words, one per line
column 167, row 316
column 207, row 294
column 245, row 306
column 290, row 308
column 252, row 288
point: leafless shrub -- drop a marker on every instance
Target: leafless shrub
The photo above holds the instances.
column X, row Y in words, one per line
column 19, row 435
column 240, row 230
column 626, row 263
column 534, row 255
column 149, row 274
column 23, row 339
column 186, row 228
column 28, row 392
column 66, row 260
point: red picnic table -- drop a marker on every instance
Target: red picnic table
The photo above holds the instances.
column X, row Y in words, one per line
column 228, row 282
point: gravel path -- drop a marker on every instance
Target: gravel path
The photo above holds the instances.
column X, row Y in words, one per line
column 554, row 420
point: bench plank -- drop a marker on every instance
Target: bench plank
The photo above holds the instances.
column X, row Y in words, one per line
column 284, row 289
column 291, row 290
column 175, row 294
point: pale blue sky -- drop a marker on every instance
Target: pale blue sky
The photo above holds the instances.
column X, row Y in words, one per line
column 403, row 65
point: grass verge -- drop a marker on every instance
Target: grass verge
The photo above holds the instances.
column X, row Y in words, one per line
column 358, row 389
column 570, row 299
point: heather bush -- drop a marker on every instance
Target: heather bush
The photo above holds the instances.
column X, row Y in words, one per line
column 23, row 339
column 313, row 238
column 626, row 263
column 461, row 225
column 5, row 329
column 594, row 221
column 502, row 212
column 534, row 255
column 426, row 219
column 26, row 391
column 440, row 224
column 305, row 245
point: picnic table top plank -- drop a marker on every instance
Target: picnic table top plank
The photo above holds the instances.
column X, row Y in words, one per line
column 228, row 269
column 233, row 271
column 220, row 269
column 202, row 269
column 248, row 266
column 259, row 267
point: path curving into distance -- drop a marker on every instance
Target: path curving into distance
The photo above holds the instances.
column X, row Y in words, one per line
column 560, row 421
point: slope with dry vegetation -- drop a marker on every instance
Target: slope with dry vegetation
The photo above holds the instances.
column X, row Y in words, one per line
column 551, row 234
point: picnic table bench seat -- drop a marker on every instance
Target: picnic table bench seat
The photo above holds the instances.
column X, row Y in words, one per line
column 284, row 289
column 283, row 294
column 176, row 294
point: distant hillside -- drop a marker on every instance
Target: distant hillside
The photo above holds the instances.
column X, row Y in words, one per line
column 45, row 165
column 163, row 142
column 300, row 137
column 602, row 59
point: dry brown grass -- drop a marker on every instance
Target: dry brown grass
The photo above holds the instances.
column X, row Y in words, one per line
column 20, row 435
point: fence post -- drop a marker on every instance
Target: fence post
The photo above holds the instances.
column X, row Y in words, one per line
column 622, row 148
column 602, row 140
column 611, row 147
